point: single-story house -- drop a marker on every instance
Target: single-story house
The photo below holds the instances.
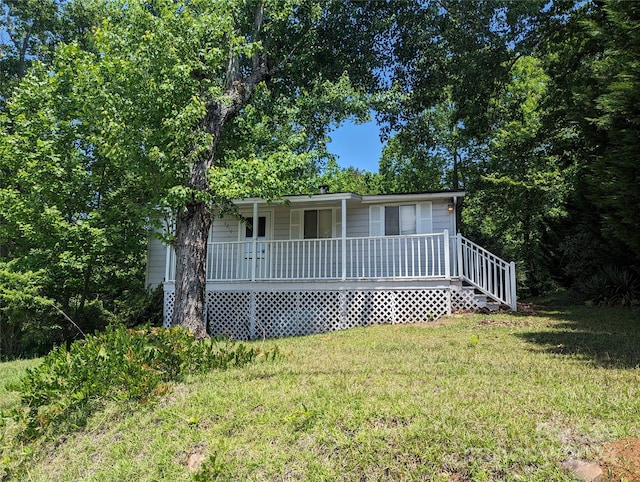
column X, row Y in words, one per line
column 312, row 264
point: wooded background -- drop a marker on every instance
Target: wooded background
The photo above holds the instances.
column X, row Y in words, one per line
column 107, row 108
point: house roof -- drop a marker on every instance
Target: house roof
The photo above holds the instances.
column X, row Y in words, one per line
column 415, row 196
column 367, row 199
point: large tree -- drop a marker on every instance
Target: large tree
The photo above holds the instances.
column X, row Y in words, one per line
column 204, row 101
column 590, row 123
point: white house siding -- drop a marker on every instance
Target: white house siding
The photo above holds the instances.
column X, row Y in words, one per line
column 442, row 218
column 281, row 222
column 357, row 220
column 156, row 255
column 224, row 230
column 229, row 229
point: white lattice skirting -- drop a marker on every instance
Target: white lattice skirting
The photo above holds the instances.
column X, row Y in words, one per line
column 243, row 315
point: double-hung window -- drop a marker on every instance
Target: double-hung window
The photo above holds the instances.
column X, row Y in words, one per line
column 400, row 219
column 320, row 223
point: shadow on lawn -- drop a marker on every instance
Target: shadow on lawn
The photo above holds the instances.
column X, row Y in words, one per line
column 608, row 337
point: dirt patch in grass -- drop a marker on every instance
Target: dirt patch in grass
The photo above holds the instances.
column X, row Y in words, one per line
column 621, row 460
column 506, row 322
column 195, row 457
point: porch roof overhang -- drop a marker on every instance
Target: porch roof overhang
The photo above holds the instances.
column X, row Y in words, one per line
column 302, row 198
column 349, row 196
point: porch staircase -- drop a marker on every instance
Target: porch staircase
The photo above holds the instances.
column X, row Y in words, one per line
column 492, row 279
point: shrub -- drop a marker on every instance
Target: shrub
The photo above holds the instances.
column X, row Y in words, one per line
column 118, row 364
column 141, row 308
column 612, row 285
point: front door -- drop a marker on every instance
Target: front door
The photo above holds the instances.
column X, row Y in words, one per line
column 263, row 227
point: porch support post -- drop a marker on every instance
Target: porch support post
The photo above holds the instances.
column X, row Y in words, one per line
column 344, row 239
column 460, row 260
column 254, row 241
column 512, row 294
column 167, row 264
column 447, row 255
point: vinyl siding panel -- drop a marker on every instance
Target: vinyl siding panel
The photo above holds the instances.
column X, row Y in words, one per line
column 442, row 218
column 156, row 254
column 357, row 221
column 224, row 230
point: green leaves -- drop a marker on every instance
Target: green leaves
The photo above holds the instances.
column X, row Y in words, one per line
column 123, row 364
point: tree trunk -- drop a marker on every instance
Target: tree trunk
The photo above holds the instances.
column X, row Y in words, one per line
column 192, row 232
column 194, row 220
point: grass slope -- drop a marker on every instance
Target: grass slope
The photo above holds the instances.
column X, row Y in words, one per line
column 474, row 397
column 11, row 372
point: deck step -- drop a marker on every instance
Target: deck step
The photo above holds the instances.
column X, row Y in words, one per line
column 484, row 301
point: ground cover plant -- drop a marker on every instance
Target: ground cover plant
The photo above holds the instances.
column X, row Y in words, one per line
column 69, row 385
column 471, row 397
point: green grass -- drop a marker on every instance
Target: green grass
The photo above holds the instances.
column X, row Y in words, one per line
column 478, row 397
column 11, row 372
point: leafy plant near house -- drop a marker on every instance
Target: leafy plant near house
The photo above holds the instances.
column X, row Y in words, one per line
column 122, row 364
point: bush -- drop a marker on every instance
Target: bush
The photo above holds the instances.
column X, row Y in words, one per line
column 22, row 311
column 141, row 308
column 612, row 285
column 121, row 363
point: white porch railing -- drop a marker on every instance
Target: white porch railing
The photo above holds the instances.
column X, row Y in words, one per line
column 485, row 271
column 415, row 256
column 423, row 256
column 392, row 257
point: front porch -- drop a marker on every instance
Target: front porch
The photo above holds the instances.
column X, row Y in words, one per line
column 304, row 286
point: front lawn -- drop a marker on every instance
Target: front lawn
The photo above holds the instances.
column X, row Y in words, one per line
column 471, row 397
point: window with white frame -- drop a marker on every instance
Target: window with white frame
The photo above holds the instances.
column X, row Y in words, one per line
column 320, row 223
column 400, row 219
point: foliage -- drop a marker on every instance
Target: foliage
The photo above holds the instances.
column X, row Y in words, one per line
column 22, row 308
column 591, row 119
column 31, row 29
column 615, row 174
column 458, row 55
column 348, row 179
column 71, row 208
column 519, row 188
column 402, row 171
column 192, row 107
column 612, row 285
column 137, row 309
column 124, row 364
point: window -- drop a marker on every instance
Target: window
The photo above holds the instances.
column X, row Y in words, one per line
column 318, row 223
column 400, row 220
column 262, row 227
column 314, row 223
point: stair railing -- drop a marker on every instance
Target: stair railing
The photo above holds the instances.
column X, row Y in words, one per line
column 487, row 272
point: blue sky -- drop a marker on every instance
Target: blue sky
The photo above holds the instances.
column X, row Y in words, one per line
column 357, row 145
